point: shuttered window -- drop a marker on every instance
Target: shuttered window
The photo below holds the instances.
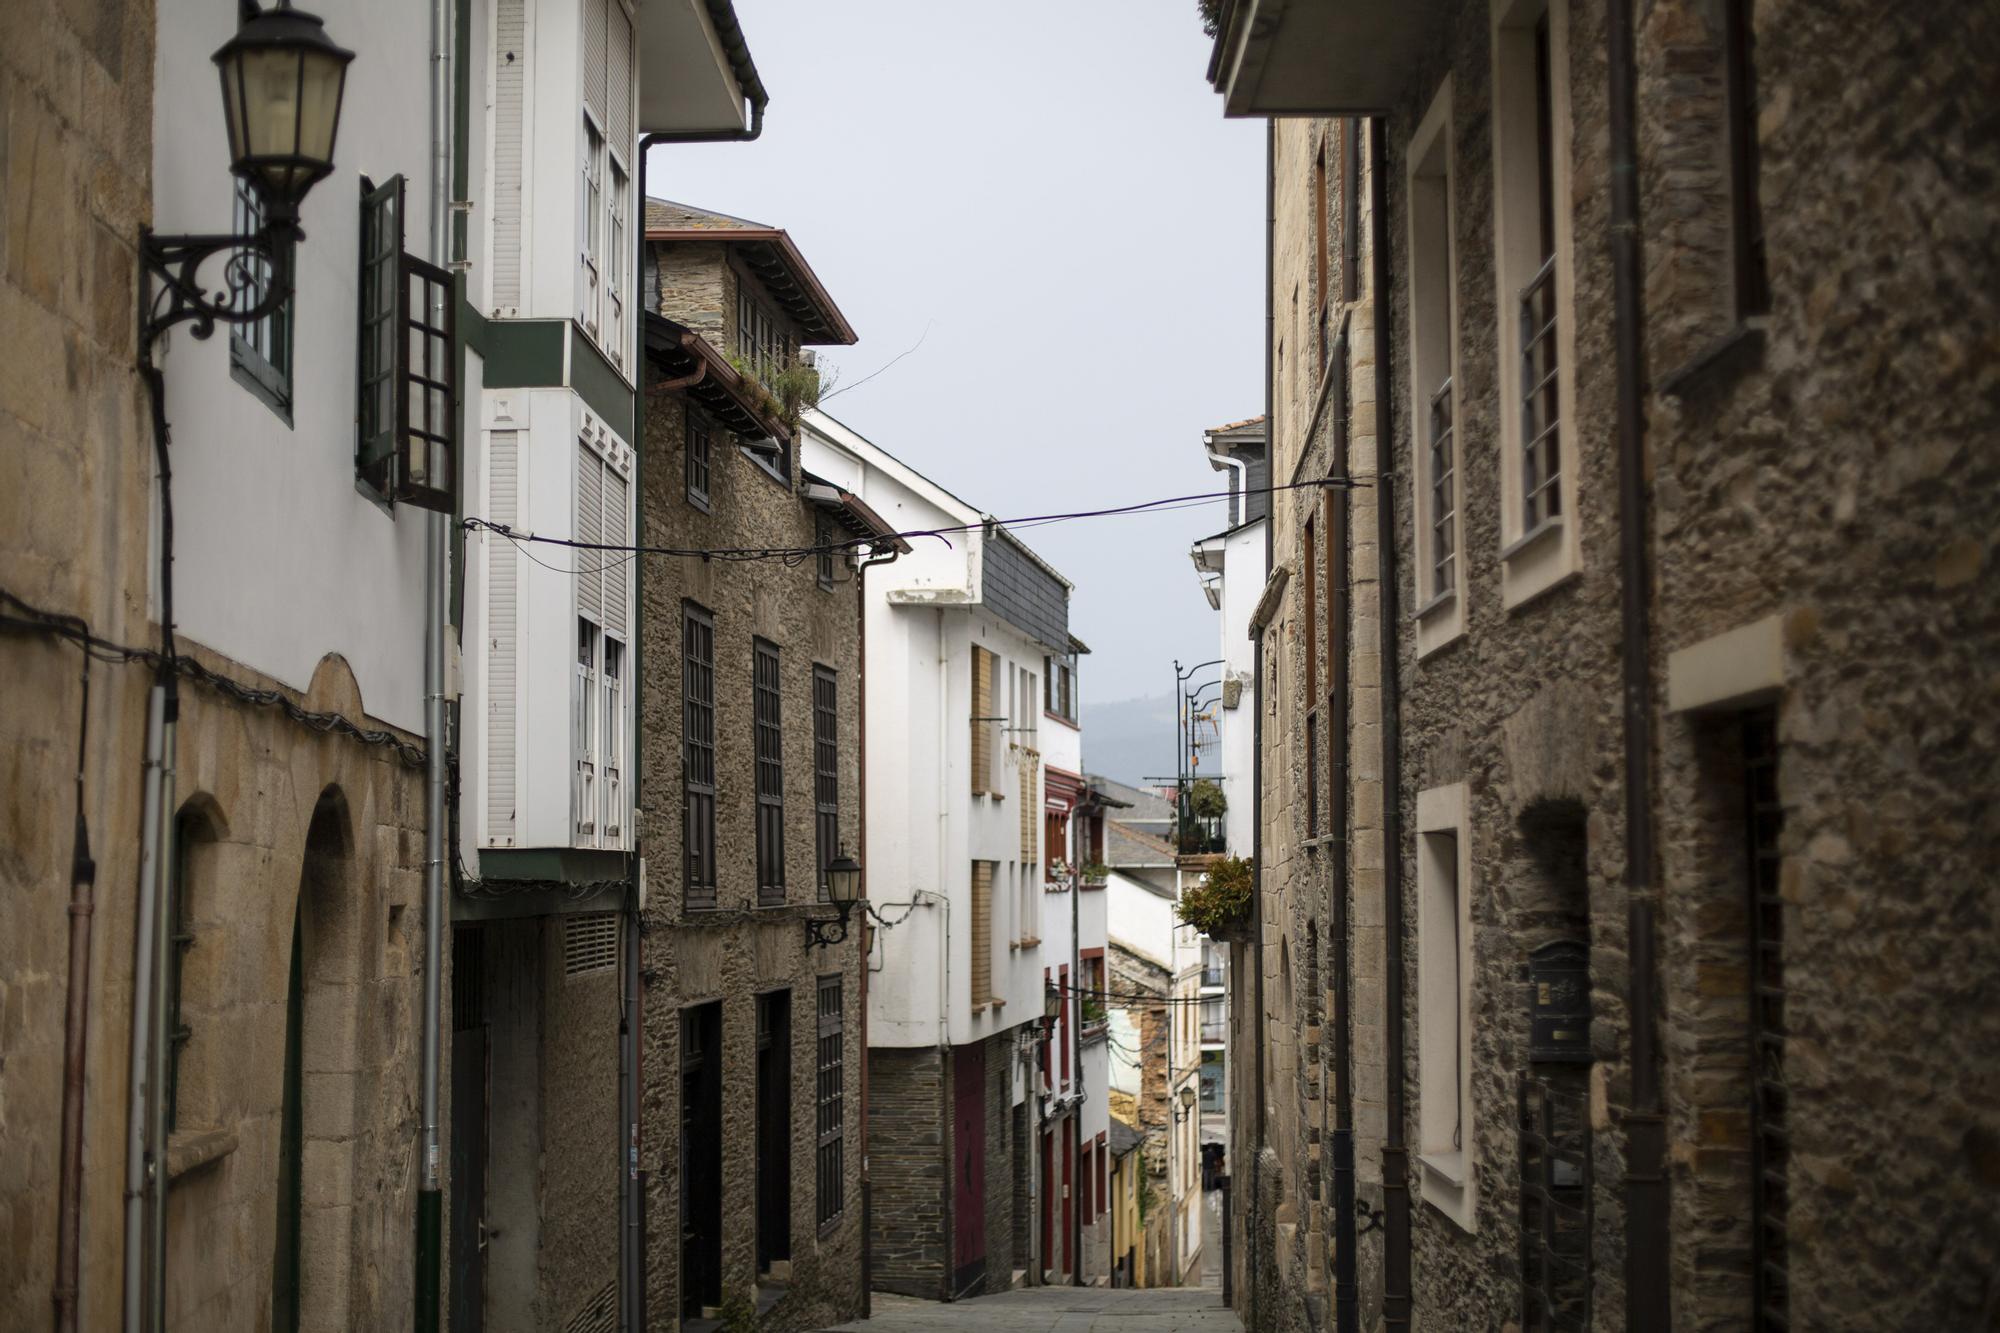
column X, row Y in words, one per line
column 1030, row 774
column 503, row 628
column 831, row 1155
column 603, row 593
column 510, row 71
column 769, row 721
column 826, row 771
column 982, row 934
column 697, row 460
column 983, row 721
column 698, row 754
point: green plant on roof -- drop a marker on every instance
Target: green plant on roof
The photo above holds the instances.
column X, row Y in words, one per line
column 1205, row 798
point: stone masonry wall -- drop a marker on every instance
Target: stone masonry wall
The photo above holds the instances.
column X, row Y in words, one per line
column 1835, row 471
column 908, row 1168
column 737, row 950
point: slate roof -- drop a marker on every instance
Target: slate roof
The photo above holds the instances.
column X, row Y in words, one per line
column 769, row 253
column 1124, row 1138
column 1126, row 846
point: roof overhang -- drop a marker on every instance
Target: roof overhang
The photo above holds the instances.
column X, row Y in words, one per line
column 853, row 514
column 768, row 252
column 695, row 73
column 1317, row 57
column 689, row 364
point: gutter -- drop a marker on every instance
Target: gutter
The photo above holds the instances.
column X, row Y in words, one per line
column 1346, row 1292
column 722, row 14
column 1647, row 1289
column 1396, row 1292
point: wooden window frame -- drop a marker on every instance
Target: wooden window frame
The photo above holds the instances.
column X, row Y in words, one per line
column 698, row 458
column 768, row 727
column 826, row 771
column 698, row 757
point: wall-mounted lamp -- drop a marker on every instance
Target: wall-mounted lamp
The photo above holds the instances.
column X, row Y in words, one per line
column 1187, row 1104
column 282, row 84
column 843, row 883
column 1052, row 1002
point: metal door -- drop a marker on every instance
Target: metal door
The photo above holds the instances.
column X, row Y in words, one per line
column 470, row 1088
column 968, row 1144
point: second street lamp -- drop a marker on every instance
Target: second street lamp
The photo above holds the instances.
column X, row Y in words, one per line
column 843, row 884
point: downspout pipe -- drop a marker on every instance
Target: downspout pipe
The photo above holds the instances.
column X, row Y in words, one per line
column 437, row 593
column 1396, row 1295
column 631, row 1035
column 1339, row 505
column 1647, row 1290
column 1256, row 1221
column 867, row 932
column 76, row 1031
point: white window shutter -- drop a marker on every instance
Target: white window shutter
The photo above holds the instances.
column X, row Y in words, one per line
column 616, row 531
column 589, row 528
column 594, row 57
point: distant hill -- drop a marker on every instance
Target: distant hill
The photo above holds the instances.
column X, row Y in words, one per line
column 1129, row 739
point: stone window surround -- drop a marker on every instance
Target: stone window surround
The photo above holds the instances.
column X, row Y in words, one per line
column 1532, row 562
column 1432, row 160
column 1450, row 1178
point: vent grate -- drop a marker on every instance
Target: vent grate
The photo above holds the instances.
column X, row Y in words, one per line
column 590, row 943
column 599, row 1314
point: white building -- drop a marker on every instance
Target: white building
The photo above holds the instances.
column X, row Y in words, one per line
column 973, row 768
column 1231, row 565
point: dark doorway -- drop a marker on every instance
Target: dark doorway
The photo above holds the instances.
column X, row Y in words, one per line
column 701, row 1158
column 968, row 1141
column 774, row 1129
column 1068, row 1195
column 469, row 1088
column 1048, row 1250
column 291, row 1145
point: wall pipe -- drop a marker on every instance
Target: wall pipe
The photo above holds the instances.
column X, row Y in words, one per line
column 437, row 592
column 1254, row 1223
column 76, row 1030
column 1647, row 1290
column 1396, row 1294
column 1339, row 504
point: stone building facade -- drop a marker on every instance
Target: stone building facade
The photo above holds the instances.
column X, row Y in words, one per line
column 752, row 1109
column 1749, row 851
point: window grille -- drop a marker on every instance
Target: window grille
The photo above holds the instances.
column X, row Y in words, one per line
column 698, row 755
column 698, row 453
column 1350, row 210
column 468, row 978
column 831, row 1155
column 1541, row 489
column 590, row 943
column 1770, row 1195
column 1554, row 1134
column 1443, row 505
column 770, row 777
column 826, row 771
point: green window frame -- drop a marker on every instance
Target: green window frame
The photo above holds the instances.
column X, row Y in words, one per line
column 260, row 351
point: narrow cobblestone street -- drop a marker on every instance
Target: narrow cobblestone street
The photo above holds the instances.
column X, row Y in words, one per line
column 1062, row 1310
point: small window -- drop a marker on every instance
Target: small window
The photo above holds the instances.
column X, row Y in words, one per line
column 831, row 1103
column 260, row 351
column 1444, row 1041
column 826, row 770
column 1753, row 292
column 615, row 260
column 823, row 541
column 769, row 722
column 583, row 732
column 1433, row 355
column 592, row 228
column 698, row 458
column 698, row 755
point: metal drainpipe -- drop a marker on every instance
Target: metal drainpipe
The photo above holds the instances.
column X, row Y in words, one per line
column 631, row 1037
column 437, row 588
column 1080, row 1187
column 1254, row 954
column 861, row 785
column 1647, row 1290
column 1396, row 1294
column 1346, row 1295
column 76, row 1031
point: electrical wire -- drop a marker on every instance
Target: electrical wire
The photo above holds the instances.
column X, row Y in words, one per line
column 33, row 619
column 795, row 555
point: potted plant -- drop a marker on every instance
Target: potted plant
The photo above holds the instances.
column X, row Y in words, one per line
column 1219, row 906
column 1096, row 872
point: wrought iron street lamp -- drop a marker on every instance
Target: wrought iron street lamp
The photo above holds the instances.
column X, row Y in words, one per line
column 282, row 84
column 1052, row 1002
column 843, row 886
column 1187, row 1104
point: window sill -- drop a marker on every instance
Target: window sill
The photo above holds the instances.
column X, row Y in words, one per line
column 249, row 369
column 1449, row 1166
column 191, row 1149
column 698, row 502
column 1439, row 602
column 1447, row 1187
column 1720, row 363
column 1028, row 942
column 1533, row 537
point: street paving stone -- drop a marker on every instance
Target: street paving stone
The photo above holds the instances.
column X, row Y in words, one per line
column 1059, row 1310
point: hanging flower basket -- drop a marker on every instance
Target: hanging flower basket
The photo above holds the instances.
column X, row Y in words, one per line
column 1219, row 906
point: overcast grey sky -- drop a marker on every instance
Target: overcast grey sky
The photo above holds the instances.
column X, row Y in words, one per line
column 1052, row 191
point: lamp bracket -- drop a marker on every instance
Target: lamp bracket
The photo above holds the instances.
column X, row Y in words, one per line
column 171, row 291
column 821, row 932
